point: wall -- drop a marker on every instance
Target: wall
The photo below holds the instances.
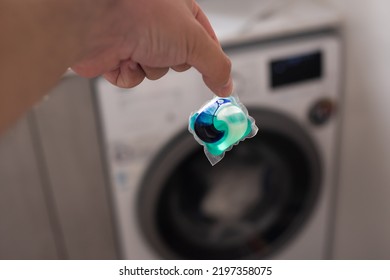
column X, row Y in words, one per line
column 362, row 222
column 53, row 197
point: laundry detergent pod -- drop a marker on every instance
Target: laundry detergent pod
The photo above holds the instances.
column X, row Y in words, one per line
column 220, row 124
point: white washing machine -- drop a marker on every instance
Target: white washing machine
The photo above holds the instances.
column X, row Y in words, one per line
column 272, row 195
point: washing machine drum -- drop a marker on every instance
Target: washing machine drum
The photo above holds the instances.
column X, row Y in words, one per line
column 249, row 205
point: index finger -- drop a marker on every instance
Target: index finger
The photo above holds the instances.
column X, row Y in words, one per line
column 206, row 55
column 201, row 17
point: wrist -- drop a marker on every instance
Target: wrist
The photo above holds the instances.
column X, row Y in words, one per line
column 98, row 21
column 86, row 21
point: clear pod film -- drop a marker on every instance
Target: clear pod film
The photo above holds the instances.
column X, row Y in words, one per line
column 220, row 124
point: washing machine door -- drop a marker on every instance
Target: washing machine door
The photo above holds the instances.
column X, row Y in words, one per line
column 249, row 205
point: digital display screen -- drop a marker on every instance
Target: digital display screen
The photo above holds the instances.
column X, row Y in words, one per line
column 296, row 69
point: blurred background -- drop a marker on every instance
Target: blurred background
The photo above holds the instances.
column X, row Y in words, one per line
column 97, row 172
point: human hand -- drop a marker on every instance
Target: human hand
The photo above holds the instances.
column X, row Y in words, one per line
column 133, row 39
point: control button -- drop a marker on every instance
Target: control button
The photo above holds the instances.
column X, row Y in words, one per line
column 321, row 111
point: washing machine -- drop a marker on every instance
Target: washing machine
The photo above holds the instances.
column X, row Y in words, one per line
column 272, row 196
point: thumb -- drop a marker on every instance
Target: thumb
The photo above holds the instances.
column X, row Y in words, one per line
column 207, row 57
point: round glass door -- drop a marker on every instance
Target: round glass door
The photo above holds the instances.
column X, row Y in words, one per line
column 247, row 206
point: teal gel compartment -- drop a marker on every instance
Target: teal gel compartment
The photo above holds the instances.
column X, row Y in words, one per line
column 221, row 124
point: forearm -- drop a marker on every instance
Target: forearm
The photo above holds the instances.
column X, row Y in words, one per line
column 39, row 40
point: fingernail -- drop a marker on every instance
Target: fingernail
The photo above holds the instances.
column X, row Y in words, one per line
column 227, row 89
